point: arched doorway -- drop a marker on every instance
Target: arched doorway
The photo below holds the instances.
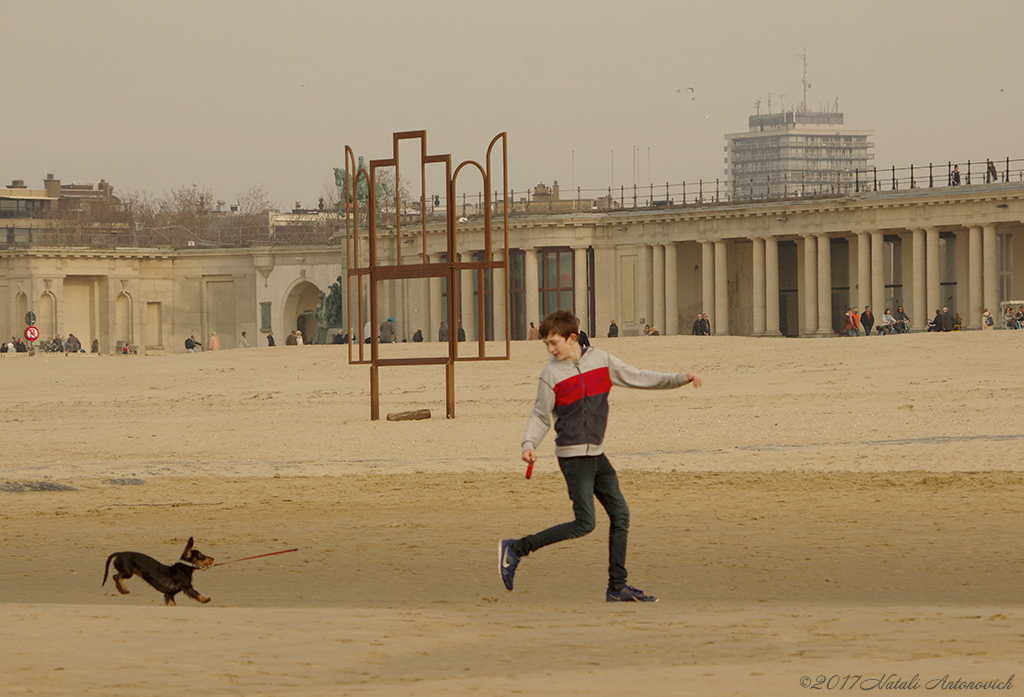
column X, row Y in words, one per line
column 47, row 315
column 299, row 309
column 123, row 320
column 21, row 303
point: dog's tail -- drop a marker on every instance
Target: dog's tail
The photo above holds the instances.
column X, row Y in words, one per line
column 106, row 569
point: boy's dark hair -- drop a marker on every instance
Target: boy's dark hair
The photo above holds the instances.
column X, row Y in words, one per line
column 561, row 322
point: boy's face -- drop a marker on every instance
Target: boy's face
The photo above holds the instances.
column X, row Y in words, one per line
column 562, row 348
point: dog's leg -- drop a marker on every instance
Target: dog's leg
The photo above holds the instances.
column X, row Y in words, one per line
column 120, row 584
column 191, row 592
column 169, row 599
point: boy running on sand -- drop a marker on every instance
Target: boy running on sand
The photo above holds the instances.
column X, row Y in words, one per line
column 574, row 387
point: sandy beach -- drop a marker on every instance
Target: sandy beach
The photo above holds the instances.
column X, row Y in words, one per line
column 834, row 507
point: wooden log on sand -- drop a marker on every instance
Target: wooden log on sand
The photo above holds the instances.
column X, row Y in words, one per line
column 414, row 415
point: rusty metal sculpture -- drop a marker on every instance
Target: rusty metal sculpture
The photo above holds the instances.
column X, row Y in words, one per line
column 373, row 273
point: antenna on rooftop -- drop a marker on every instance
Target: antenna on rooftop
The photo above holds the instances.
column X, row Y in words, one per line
column 807, row 85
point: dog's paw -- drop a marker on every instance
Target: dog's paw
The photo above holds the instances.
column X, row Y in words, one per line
column 203, row 599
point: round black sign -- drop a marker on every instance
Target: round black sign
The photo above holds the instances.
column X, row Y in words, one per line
column 30, row 318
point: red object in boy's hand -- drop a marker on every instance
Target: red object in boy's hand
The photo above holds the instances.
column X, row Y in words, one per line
column 529, row 470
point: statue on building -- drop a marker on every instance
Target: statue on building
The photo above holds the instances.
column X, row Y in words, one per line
column 362, row 177
column 330, row 312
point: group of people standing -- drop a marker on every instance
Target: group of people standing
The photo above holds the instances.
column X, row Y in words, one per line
column 944, row 321
column 1011, row 319
column 72, row 344
column 701, row 325
column 888, row 323
column 15, row 345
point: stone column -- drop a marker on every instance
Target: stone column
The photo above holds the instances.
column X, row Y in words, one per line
column 990, row 272
column 721, row 288
column 974, row 288
column 759, row 287
column 645, row 262
column 864, row 298
column 532, row 288
column 498, row 297
column 436, row 311
column 878, row 274
column 579, row 298
column 934, row 290
column 658, row 276
column 771, row 286
column 707, row 278
column 810, row 285
column 919, row 312
column 825, row 286
column 466, row 298
column 671, row 290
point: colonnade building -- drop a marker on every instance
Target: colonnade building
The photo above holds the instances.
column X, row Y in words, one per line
column 784, row 267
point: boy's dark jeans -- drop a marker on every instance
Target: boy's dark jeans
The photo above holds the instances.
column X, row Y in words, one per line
column 587, row 477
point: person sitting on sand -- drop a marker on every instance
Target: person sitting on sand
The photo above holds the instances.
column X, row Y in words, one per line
column 885, row 323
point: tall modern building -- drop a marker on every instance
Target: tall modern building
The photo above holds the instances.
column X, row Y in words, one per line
column 796, row 152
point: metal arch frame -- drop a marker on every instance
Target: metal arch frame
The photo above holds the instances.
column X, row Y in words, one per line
column 449, row 269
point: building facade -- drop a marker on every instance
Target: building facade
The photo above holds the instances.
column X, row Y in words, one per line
column 796, row 151
column 786, row 267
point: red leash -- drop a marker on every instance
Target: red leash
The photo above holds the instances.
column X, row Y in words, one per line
column 283, row 551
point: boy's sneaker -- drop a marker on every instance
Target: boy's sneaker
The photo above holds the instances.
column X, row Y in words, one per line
column 628, row 594
column 507, row 562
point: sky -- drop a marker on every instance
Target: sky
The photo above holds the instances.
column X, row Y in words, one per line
column 232, row 94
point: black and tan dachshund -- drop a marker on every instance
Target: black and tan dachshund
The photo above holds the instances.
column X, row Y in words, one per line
column 169, row 580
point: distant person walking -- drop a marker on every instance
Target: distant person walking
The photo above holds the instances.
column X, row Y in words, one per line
column 214, row 341
column 698, row 326
column 954, row 178
column 270, row 339
column 243, row 342
column 991, row 175
column 867, row 318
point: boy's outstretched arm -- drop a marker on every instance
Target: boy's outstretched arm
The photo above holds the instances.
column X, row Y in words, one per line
column 625, row 375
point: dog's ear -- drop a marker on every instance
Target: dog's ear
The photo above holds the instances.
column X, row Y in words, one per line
column 188, row 548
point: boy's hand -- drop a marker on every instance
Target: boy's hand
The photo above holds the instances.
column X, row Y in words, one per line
column 694, row 378
column 529, row 456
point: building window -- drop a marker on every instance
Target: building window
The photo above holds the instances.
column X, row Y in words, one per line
column 948, row 296
column 555, row 271
column 488, row 300
column 517, row 293
column 444, row 292
column 1004, row 264
column 892, row 250
column 265, row 317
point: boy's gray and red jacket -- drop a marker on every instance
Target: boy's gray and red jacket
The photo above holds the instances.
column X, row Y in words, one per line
column 576, row 394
